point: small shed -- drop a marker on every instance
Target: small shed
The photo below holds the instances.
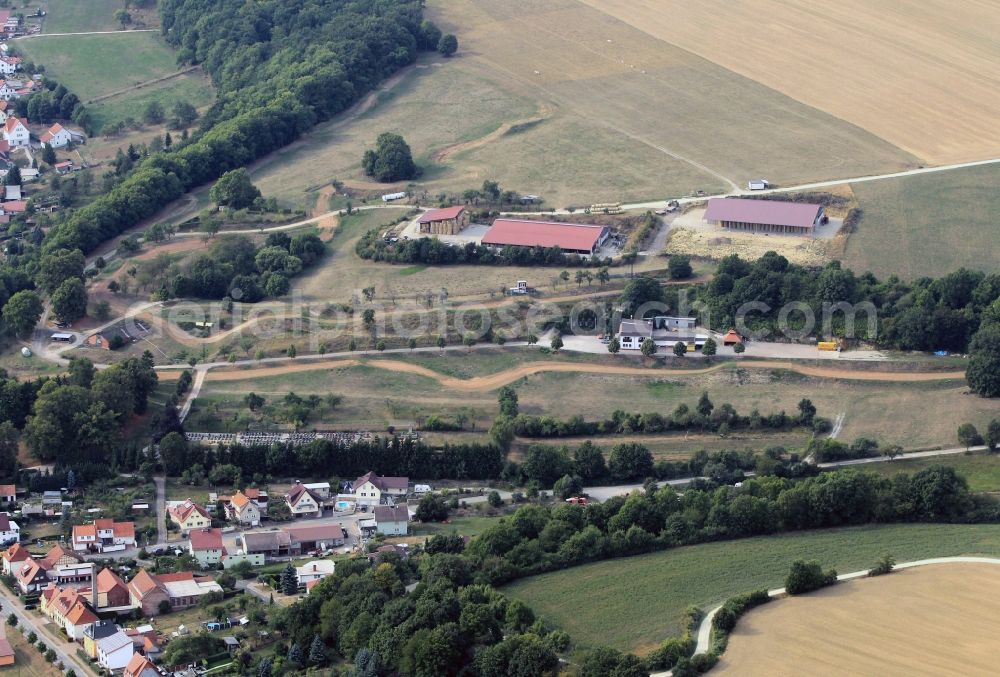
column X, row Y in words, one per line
column 232, row 644
column 731, row 338
column 98, row 341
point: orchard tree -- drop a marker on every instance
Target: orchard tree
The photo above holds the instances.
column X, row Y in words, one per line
column 22, row 312
column 234, row 189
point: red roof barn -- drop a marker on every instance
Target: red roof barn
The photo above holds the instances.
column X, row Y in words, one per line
column 574, row 238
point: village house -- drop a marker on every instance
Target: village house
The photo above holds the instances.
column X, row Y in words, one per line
column 114, row 651
column 14, row 131
column 267, row 543
column 9, row 531
column 9, row 64
column 14, row 207
column 11, row 193
column 12, row 558
column 104, row 535
column 392, row 520
column 304, row 503
column 59, row 566
column 321, row 489
column 56, row 136
column 371, row 490
column 664, row 331
column 206, row 546
column 68, row 608
column 95, row 633
column 8, row 494
column 146, row 641
column 112, row 592
column 315, row 539
column 380, row 553
column 242, row 510
column 188, row 515
column 179, row 590
column 140, row 666
column 314, row 571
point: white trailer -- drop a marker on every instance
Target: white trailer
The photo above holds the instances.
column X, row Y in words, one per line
column 758, row 184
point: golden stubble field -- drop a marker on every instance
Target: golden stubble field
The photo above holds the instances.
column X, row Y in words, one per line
column 921, row 74
column 934, row 620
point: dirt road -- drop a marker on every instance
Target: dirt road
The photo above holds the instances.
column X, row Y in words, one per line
column 500, row 379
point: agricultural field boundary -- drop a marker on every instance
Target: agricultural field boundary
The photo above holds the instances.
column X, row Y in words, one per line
column 705, row 629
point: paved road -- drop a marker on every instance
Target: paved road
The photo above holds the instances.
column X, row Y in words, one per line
column 161, row 509
column 54, row 640
column 705, row 629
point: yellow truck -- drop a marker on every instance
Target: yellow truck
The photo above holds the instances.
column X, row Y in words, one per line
column 827, row 345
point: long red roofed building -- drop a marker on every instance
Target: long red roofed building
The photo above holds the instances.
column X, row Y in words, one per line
column 572, row 238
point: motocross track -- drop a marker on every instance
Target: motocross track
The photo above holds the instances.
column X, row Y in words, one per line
column 500, row 379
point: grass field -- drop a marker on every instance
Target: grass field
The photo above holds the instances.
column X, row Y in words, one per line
column 28, row 661
column 927, row 225
column 93, row 67
column 77, row 16
column 924, row 76
column 561, row 100
column 634, row 603
column 928, row 620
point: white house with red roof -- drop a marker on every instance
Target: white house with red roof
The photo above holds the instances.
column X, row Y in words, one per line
column 188, row 515
column 104, row 535
column 9, row 65
column 56, row 136
column 8, row 493
column 9, row 531
column 15, row 132
column 371, row 489
column 206, row 546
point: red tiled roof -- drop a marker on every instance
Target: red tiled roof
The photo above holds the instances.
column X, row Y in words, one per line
column 445, row 214
column 11, row 124
column 137, row 665
column 382, row 483
column 5, row 648
column 298, row 491
column 206, row 539
column 570, row 236
column 16, row 553
column 184, row 510
column 108, row 580
column 766, row 212
column 15, row 206
column 8, row 490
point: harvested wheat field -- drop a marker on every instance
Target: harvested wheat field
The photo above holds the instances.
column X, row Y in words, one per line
column 934, row 620
column 921, row 74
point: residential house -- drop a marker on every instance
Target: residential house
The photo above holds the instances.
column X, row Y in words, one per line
column 56, row 136
column 321, row 489
column 267, row 543
column 314, row 571
column 664, row 331
column 309, row 539
column 243, row 510
column 112, row 592
column 399, row 549
column 104, row 535
column 140, row 666
column 6, row 653
column 392, row 520
column 65, row 568
column 64, row 167
column 206, row 546
column 188, row 515
column 302, row 502
column 146, row 641
column 180, row 590
column 32, row 575
column 95, row 633
column 8, row 494
column 371, row 489
column 68, row 608
column 9, row 531
column 114, row 651
column 6, row 110
column 14, row 207
column 11, row 193
column 14, row 131
column 9, row 64
column 13, row 557
column 256, row 560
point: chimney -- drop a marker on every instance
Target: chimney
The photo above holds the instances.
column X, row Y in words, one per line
column 93, row 593
column 314, row 567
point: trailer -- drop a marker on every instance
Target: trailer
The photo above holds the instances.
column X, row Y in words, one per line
column 758, row 184
column 390, row 197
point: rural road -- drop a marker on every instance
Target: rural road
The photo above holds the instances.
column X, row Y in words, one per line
column 55, row 35
column 54, row 641
column 705, row 629
column 658, row 204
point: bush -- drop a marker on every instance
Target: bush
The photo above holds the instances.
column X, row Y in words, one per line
column 885, row 565
column 734, row 607
column 808, row 576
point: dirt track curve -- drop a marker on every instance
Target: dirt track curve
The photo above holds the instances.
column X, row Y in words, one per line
column 500, row 379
